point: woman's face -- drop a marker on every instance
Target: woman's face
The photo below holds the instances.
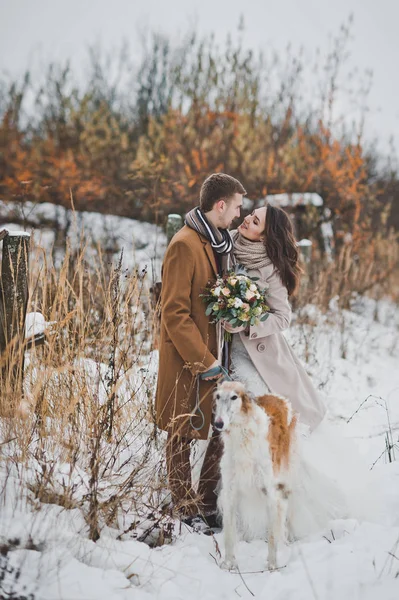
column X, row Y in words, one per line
column 254, row 224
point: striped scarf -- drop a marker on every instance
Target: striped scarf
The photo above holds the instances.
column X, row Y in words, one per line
column 219, row 239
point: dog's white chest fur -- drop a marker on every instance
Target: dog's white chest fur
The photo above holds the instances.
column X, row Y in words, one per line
column 246, row 458
column 247, row 473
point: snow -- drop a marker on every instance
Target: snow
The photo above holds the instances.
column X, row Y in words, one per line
column 142, row 244
column 352, row 357
column 35, row 324
column 15, row 233
column 294, row 199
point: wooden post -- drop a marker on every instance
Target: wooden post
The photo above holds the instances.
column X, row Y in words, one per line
column 13, row 304
column 173, row 224
column 305, row 247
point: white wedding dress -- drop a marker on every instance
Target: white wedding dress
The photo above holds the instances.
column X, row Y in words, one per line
column 330, row 480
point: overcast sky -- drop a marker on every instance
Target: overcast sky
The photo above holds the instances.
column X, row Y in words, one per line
column 35, row 31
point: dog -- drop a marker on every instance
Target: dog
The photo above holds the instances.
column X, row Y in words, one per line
column 258, row 438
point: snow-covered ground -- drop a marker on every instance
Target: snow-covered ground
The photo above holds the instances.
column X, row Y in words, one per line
column 142, row 244
column 352, row 357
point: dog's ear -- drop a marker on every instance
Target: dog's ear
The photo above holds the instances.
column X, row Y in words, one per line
column 216, row 391
column 245, row 402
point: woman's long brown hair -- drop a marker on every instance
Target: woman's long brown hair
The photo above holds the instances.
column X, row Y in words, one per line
column 281, row 247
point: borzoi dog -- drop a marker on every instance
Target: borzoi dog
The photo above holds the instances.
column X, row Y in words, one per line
column 258, row 438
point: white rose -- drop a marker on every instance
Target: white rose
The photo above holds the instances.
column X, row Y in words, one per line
column 216, row 291
column 238, row 303
column 252, row 287
column 249, row 295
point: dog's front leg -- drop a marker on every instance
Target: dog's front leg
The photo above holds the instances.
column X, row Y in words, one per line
column 229, row 506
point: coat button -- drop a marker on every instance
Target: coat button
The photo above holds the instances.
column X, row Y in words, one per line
column 261, row 347
column 254, row 335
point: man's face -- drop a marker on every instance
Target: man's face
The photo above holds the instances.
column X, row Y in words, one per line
column 229, row 210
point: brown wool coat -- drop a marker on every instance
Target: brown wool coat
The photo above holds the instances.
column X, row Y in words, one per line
column 188, row 341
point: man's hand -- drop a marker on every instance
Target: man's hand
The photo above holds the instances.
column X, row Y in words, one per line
column 231, row 329
column 214, row 377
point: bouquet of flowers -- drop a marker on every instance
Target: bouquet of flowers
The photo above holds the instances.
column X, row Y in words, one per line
column 236, row 298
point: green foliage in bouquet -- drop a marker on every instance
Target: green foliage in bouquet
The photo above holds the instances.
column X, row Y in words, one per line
column 236, row 298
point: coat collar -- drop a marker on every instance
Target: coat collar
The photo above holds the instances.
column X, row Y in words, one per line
column 209, row 252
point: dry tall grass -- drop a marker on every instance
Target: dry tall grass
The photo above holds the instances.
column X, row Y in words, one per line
column 337, row 284
column 373, row 270
column 84, row 433
column 84, row 428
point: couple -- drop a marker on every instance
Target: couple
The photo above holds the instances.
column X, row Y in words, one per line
column 191, row 348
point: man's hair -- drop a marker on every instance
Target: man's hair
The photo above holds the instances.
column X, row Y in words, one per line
column 218, row 186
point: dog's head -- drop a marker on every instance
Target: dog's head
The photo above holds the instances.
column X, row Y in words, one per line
column 230, row 400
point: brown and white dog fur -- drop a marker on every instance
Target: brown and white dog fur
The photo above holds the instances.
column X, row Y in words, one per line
column 258, row 438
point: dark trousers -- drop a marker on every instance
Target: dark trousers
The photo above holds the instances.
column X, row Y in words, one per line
column 185, row 500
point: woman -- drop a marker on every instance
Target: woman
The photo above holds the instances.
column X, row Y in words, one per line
column 264, row 243
column 331, row 482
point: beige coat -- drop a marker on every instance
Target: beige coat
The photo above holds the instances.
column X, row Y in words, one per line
column 189, row 343
column 273, row 357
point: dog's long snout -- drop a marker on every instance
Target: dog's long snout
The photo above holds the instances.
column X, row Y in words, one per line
column 218, row 424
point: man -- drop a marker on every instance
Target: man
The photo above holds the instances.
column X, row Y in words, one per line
column 190, row 351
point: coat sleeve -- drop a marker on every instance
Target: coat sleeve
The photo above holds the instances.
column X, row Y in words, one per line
column 277, row 299
column 177, row 276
